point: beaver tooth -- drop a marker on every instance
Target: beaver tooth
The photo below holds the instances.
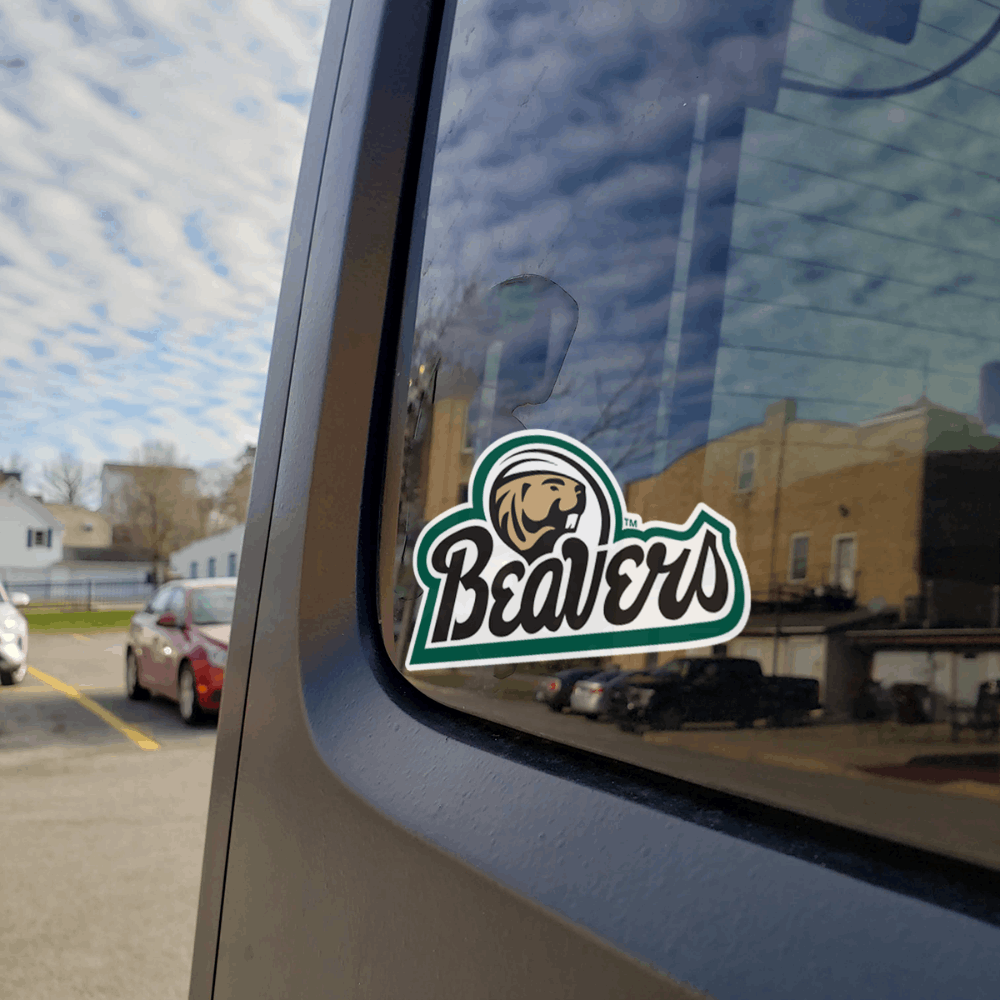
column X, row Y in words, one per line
column 572, row 521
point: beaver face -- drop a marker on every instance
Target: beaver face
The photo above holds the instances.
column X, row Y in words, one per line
column 531, row 512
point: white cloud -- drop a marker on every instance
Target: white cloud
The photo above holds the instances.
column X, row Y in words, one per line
column 159, row 136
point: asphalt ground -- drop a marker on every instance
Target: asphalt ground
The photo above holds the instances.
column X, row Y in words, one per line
column 101, row 838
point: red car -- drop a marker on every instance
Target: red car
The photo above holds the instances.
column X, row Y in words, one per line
column 177, row 645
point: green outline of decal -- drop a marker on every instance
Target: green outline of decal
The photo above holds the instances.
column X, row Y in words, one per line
column 694, row 633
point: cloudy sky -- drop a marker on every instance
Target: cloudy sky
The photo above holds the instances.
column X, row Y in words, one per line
column 148, row 159
column 863, row 252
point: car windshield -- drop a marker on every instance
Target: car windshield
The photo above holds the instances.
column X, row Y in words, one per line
column 213, row 605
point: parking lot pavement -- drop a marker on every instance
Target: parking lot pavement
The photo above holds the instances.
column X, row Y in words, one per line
column 102, row 839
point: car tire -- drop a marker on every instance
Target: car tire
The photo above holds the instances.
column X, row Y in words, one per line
column 133, row 689
column 787, row 718
column 187, row 696
column 15, row 676
column 555, row 708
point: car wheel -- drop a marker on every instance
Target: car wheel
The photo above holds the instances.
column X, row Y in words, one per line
column 134, row 690
column 187, row 696
column 15, row 676
column 745, row 722
column 555, row 708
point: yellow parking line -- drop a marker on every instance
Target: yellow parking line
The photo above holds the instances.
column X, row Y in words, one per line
column 141, row 740
column 82, row 638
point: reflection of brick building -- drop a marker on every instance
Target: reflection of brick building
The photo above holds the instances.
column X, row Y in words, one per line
column 875, row 509
column 901, row 512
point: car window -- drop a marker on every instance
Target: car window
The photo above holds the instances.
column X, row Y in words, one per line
column 160, row 600
column 645, row 259
column 212, row 605
column 177, row 604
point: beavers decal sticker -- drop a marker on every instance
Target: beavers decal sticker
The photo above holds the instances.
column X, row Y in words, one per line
column 544, row 563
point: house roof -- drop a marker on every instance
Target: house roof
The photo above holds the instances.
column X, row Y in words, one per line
column 12, row 488
column 811, row 622
column 112, row 467
column 179, row 553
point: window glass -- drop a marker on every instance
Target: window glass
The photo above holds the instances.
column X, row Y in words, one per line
column 744, row 479
column 160, row 600
column 193, row 574
column 800, row 558
column 231, row 568
column 211, row 566
column 697, row 241
column 212, row 605
column 177, row 605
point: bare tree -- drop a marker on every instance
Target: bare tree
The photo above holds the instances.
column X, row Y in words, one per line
column 156, row 452
column 225, row 490
column 66, row 480
column 162, row 506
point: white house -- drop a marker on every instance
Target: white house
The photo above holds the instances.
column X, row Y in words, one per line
column 217, row 555
column 31, row 537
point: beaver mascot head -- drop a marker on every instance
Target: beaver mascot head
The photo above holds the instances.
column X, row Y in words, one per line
column 532, row 506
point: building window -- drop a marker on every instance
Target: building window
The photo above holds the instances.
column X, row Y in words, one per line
column 745, row 470
column 232, row 564
column 31, row 537
column 468, row 433
column 211, row 566
column 194, row 571
column 799, row 563
column 844, row 562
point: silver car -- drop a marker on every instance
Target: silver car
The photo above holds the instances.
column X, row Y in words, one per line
column 13, row 638
column 590, row 697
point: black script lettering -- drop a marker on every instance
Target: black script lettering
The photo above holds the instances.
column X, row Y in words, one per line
column 618, row 582
column 618, row 615
column 578, row 555
column 499, row 625
column 714, row 601
column 452, row 570
column 547, row 616
column 671, row 606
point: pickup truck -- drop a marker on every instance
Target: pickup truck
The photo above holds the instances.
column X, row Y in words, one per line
column 715, row 689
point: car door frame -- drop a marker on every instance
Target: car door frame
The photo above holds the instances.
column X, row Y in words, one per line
column 315, row 776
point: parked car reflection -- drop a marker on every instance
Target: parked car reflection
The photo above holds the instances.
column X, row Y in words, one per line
column 555, row 691
column 714, row 690
column 590, row 697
